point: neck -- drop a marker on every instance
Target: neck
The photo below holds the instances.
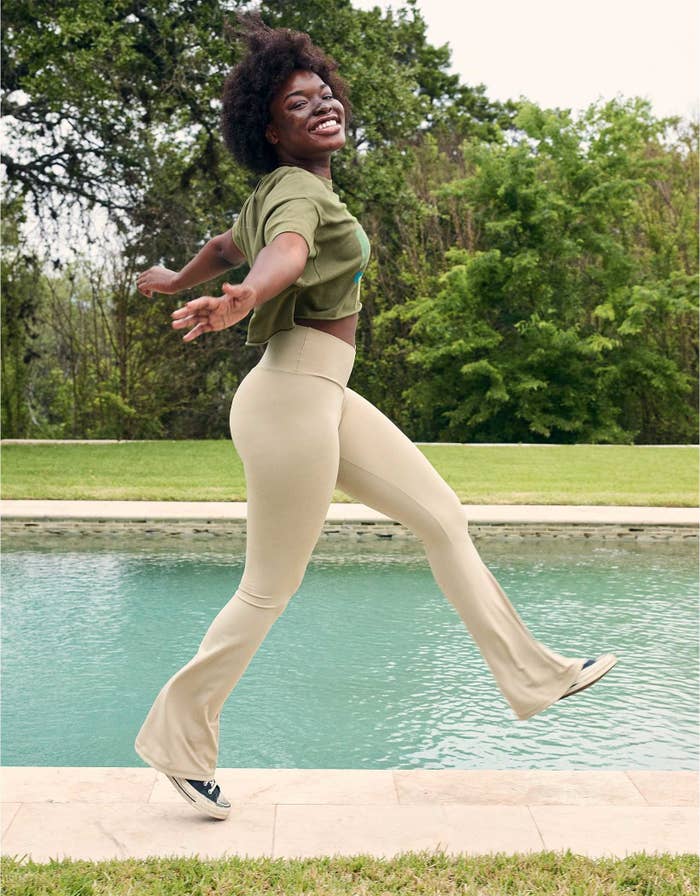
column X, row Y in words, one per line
column 322, row 167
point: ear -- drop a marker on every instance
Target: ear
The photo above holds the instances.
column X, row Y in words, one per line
column 271, row 134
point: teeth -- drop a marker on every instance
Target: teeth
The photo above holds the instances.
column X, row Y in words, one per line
column 326, row 124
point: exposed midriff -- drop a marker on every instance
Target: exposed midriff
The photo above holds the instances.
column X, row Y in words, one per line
column 344, row 327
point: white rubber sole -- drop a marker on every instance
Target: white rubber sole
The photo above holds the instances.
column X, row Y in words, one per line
column 591, row 674
column 196, row 800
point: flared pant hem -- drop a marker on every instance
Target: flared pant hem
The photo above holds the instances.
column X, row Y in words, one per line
column 540, row 707
column 198, row 776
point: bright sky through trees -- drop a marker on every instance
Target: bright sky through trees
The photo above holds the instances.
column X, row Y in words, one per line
column 568, row 54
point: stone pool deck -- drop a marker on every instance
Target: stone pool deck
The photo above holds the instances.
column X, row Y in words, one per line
column 106, row 813
column 345, row 512
column 347, row 521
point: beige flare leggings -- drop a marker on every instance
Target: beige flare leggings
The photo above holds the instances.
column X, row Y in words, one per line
column 301, row 432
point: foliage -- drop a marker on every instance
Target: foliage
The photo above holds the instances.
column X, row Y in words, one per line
column 567, row 308
column 20, row 273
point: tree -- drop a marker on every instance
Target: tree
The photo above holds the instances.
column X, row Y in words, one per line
column 566, row 311
column 21, row 298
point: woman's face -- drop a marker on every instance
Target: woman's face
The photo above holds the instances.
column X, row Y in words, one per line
column 306, row 121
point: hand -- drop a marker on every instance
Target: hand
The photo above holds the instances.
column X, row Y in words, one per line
column 214, row 312
column 157, row 279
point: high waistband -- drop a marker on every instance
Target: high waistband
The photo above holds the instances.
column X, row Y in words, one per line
column 308, row 350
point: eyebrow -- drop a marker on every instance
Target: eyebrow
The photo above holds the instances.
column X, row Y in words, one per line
column 303, row 92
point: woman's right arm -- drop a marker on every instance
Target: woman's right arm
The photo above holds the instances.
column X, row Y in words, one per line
column 218, row 255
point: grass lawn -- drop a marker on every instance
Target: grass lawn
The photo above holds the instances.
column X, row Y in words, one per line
column 410, row 874
column 501, row 474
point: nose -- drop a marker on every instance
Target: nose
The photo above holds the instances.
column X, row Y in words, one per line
column 323, row 107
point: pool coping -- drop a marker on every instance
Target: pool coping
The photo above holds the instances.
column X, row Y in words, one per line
column 98, row 813
column 347, row 512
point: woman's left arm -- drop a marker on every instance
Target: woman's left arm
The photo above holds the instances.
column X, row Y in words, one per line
column 219, row 254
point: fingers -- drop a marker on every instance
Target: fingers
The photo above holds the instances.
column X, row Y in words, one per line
column 240, row 295
column 198, row 324
column 235, row 290
column 194, row 306
column 202, row 327
column 155, row 279
column 195, row 314
column 184, row 322
column 144, row 284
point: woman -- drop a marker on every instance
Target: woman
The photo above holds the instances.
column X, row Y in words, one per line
column 300, row 431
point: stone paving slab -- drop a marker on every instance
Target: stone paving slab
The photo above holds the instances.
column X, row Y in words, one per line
column 346, row 512
column 384, row 831
column 505, row 787
column 103, row 813
column 618, row 830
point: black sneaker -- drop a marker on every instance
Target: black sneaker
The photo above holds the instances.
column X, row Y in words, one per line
column 203, row 795
column 592, row 671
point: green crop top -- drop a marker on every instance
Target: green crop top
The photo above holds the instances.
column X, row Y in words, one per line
column 293, row 199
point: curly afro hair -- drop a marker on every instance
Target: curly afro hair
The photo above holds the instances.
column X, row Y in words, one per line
column 273, row 54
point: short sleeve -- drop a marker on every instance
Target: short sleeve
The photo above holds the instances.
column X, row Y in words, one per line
column 236, row 235
column 293, row 216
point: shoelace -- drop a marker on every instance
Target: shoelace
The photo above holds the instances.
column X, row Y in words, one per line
column 212, row 788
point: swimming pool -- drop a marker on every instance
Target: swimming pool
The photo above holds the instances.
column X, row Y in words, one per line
column 368, row 667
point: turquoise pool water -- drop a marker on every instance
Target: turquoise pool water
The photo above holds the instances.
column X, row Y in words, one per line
column 369, row 666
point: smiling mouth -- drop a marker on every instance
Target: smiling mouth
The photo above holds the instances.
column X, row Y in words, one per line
column 330, row 124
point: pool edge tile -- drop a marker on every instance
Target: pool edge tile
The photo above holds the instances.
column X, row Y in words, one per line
column 76, row 784
column 616, row 831
column 8, row 813
column 386, row 831
column 619, row 514
column 292, row 786
column 516, row 787
column 119, row 831
column 666, row 788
